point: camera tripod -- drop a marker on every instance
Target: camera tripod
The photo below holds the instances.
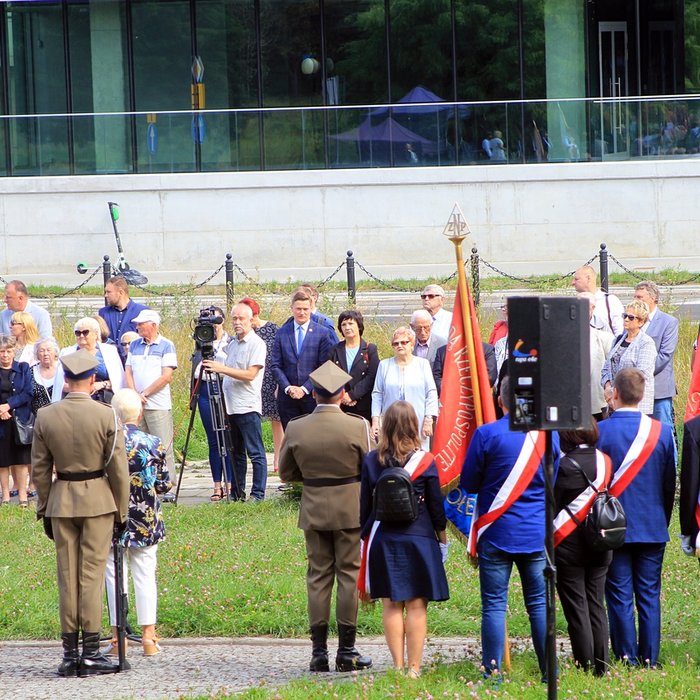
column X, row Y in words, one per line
column 218, row 421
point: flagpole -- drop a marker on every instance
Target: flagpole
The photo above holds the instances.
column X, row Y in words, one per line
column 457, row 230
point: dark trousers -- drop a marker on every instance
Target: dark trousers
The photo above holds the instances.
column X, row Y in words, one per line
column 581, row 591
column 634, row 580
column 291, row 408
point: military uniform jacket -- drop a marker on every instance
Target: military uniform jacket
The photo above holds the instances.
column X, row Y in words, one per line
column 79, row 435
column 330, row 445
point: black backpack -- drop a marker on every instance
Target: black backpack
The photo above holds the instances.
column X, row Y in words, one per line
column 395, row 499
column 605, row 526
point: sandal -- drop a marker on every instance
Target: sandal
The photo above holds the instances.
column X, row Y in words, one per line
column 217, row 496
column 151, row 646
column 113, row 648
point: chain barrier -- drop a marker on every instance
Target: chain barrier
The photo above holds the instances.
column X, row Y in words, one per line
column 538, row 282
column 641, row 278
column 179, row 291
column 382, row 282
column 77, row 287
column 331, row 276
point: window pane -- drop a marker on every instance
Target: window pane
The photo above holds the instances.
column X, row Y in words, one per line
column 36, row 85
column 226, row 44
column 162, row 81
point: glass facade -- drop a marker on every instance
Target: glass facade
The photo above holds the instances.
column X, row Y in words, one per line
column 126, row 86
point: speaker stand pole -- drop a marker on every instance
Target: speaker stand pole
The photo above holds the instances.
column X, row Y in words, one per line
column 550, row 571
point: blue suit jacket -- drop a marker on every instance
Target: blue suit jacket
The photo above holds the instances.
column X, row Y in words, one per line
column 492, row 452
column 22, row 389
column 663, row 330
column 648, row 500
column 289, row 368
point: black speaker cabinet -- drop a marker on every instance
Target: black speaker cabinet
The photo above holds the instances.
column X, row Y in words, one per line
column 549, row 363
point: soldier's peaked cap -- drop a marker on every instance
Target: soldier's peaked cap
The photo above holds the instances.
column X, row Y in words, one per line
column 329, row 379
column 79, row 365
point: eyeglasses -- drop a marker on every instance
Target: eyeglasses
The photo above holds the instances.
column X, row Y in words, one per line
column 396, row 343
column 429, row 296
column 85, row 333
column 632, row 317
column 16, row 323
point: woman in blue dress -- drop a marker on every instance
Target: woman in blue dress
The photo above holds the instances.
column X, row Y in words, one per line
column 403, row 563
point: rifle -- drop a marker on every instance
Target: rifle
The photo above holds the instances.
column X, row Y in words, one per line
column 120, row 597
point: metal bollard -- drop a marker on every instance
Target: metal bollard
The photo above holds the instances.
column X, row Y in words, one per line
column 603, row 257
column 229, row 281
column 475, row 275
column 350, row 269
column 106, row 269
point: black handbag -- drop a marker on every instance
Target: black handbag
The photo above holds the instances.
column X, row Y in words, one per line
column 24, row 430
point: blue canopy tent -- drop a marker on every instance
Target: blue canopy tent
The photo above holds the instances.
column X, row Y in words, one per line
column 384, row 143
column 427, row 114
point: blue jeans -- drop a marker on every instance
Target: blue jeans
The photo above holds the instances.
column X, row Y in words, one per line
column 495, row 567
column 246, row 435
column 634, row 579
column 214, row 456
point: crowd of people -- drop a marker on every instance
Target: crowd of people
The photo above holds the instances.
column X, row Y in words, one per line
column 341, row 416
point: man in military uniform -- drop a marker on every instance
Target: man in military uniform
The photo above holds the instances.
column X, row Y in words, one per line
column 324, row 450
column 79, row 509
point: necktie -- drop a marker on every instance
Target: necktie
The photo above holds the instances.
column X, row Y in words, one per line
column 300, row 338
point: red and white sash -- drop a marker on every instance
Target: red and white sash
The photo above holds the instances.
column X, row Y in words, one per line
column 569, row 518
column 517, row 481
column 697, row 520
column 415, row 466
column 642, row 446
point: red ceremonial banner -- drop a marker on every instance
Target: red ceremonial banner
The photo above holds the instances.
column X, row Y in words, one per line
column 692, row 407
column 463, row 388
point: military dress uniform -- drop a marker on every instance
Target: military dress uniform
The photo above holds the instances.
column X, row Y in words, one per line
column 324, row 450
column 91, row 492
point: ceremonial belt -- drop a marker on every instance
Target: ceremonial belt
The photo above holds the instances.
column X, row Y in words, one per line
column 575, row 513
column 415, row 466
column 519, row 478
column 642, row 446
column 82, row 476
column 332, row 482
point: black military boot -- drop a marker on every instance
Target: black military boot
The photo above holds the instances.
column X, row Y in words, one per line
column 71, row 655
column 93, row 662
column 319, row 649
column 348, row 658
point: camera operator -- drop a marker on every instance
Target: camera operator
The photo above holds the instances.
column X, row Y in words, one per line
column 242, row 386
column 150, row 365
column 211, row 350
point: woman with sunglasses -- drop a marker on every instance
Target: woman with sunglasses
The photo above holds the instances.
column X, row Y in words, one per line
column 632, row 349
column 110, row 372
column 405, row 377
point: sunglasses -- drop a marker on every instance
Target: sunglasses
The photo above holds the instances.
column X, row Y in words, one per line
column 85, row 333
column 396, row 343
column 125, row 345
column 429, row 296
column 631, row 317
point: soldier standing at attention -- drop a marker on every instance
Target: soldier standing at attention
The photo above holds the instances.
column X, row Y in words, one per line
column 79, row 510
column 324, row 450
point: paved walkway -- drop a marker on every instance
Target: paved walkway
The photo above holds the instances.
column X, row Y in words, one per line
column 188, row 667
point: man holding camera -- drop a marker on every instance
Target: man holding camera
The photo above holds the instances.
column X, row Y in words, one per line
column 79, row 509
column 242, row 388
column 150, row 365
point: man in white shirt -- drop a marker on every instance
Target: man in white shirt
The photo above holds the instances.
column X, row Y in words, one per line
column 17, row 299
column 242, row 386
column 150, row 365
column 433, row 297
column 607, row 314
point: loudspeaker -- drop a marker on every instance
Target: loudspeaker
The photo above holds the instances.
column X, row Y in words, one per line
column 549, row 361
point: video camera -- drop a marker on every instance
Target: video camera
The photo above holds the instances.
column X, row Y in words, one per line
column 204, row 332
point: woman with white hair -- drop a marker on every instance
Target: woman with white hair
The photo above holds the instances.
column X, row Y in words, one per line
column 110, row 372
column 145, row 528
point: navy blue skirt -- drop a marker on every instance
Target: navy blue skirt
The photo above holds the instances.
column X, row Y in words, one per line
column 403, row 567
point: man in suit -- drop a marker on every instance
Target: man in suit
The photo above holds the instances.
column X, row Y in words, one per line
column 300, row 347
column 427, row 342
column 690, row 488
column 663, row 329
column 489, row 356
column 324, row 450
column 79, row 510
column 642, row 452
